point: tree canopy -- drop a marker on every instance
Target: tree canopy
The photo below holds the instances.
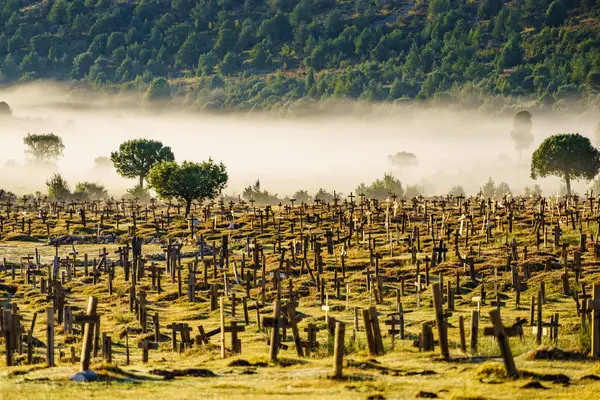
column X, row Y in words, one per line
column 403, row 159
column 521, row 132
column 567, row 155
column 45, row 147
column 382, row 189
column 5, row 109
column 58, row 188
column 390, row 50
column 189, row 181
column 135, row 158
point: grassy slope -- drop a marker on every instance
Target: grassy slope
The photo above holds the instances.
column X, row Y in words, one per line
column 395, row 375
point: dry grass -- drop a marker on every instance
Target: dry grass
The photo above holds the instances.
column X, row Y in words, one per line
column 403, row 372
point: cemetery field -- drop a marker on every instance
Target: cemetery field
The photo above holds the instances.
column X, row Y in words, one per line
column 452, row 298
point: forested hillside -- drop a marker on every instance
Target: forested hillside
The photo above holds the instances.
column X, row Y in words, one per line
column 246, row 54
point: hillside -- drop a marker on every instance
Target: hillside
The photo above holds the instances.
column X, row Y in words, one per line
column 242, row 55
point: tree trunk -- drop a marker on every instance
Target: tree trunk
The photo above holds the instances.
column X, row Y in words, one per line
column 188, row 206
column 568, row 182
column 141, row 181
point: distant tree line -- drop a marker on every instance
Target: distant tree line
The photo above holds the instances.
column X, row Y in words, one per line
column 248, row 54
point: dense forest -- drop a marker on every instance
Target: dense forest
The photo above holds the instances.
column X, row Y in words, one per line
column 248, row 54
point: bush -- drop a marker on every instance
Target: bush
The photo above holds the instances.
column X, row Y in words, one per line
column 58, row 188
column 138, row 192
column 90, row 191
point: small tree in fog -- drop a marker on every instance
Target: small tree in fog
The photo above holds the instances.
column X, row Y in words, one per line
column 159, row 91
column 5, row 110
column 261, row 196
column 457, row 191
column 521, row 133
column 102, row 163
column 189, row 181
column 45, row 147
column 413, row 191
column 567, row 155
column 381, row 189
column 136, row 157
column 138, row 192
column 90, row 191
column 301, row 196
column 502, row 190
column 58, row 188
column 534, row 191
column 488, row 190
column 324, row 196
column 403, row 159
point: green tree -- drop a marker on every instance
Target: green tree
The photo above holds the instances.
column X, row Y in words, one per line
column 90, row 191
column 58, row 12
column 189, row 181
column 488, row 190
column 5, row 110
column 58, row 188
column 489, row 8
column 31, row 63
column 9, row 69
column 158, row 92
column 226, row 39
column 136, row 158
column 502, row 190
column 567, row 155
column 301, row 196
column 556, row 13
column 102, row 162
column 521, row 133
column 229, row 64
column 45, row 147
column 512, row 53
column 457, row 191
column 324, row 196
column 403, row 159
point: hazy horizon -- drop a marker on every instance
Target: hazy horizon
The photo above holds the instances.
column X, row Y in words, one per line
column 334, row 152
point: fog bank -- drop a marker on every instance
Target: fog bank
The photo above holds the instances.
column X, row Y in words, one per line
column 334, row 152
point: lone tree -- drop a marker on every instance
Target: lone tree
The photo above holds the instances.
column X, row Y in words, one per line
column 5, row 110
column 403, row 159
column 136, row 157
column 102, row 162
column 159, row 91
column 58, row 188
column 521, row 133
column 45, row 147
column 566, row 155
column 90, row 191
column 189, row 181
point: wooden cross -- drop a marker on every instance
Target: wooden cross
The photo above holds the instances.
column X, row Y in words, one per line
column 146, row 345
column 501, row 335
column 89, row 320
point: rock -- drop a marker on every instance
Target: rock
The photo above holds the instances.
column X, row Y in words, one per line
column 84, row 376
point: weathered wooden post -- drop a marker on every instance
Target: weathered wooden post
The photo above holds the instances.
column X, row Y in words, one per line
column 594, row 306
column 291, row 314
column 50, row 336
column 88, row 334
column 338, row 355
column 275, row 332
column 474, row 330
column 539, row 326
column 500, row 334
column 440, row 320
column 461, row 326
column 369, row 333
